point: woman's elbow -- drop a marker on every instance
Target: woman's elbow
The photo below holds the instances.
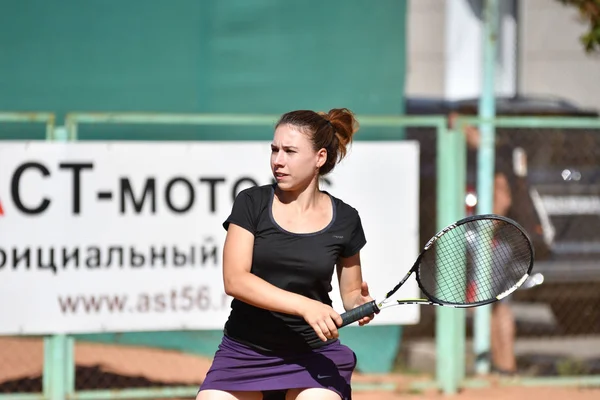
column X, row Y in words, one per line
column 232, row 284
column 229, row 286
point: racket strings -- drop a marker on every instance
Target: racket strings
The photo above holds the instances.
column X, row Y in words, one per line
column 449, row 285
column 475, row 262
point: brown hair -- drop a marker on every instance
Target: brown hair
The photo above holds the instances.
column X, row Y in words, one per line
column 332, row 131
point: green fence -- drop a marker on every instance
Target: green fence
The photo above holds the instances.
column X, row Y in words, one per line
column 441, row 148
column 558, row 322
column 22, row 119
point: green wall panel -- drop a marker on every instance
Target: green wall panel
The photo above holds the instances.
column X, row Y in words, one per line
column 263, row 56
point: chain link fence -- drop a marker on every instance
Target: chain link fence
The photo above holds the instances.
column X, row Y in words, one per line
column 554, row 180
column 114, row 363
column 559, row 201
column 554, row 176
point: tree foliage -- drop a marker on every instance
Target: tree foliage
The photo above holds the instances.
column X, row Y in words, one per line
column 589, row 11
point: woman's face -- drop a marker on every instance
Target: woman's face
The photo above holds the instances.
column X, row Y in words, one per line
column 294, row 163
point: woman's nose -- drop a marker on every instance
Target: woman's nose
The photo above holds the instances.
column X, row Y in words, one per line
column 279, row 158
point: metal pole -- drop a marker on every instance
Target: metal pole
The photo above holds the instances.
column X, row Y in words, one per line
column 450, row 332
column 59, row 362
column 485, row 167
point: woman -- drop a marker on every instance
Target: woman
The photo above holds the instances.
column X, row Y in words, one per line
column 282, row 243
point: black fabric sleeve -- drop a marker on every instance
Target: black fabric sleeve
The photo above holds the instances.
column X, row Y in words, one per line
column 242, row 213
column 357, row 238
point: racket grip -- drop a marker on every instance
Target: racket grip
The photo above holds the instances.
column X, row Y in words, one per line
column 358, row 313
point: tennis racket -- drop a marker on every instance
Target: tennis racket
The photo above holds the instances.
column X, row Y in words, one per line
column 472, row 262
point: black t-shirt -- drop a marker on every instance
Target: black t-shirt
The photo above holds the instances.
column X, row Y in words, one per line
column 299, row 263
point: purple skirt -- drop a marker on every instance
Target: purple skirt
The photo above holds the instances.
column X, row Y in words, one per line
column 238, row 367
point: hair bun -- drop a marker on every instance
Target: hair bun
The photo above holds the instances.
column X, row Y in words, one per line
column 345, row 125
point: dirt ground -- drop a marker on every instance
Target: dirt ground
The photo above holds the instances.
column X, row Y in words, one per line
column 21, row 361
column 491, row 394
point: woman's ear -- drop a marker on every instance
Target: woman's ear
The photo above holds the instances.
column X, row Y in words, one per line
column 321, row 158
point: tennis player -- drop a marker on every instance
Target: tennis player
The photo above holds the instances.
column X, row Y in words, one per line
column 283, row 241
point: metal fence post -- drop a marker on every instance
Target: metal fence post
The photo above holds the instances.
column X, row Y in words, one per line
column 460, row 170
column 450, row 323
column 59, row 362
column 485, row 168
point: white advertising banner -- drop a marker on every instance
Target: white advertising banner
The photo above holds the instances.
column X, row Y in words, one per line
column 128, row 236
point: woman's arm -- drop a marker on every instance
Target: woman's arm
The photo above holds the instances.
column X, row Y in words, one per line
column 353, row 290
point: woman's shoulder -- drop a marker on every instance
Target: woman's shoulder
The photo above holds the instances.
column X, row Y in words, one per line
column 249, row 206
column 343, row 208
column 260, row 194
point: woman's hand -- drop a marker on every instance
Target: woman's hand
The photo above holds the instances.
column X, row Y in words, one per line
column 354, row 291
column 362, row 298
column 322, row 318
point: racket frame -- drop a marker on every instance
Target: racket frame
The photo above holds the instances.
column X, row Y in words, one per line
column 374, row 307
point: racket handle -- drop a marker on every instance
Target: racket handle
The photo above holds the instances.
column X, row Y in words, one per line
column 358, row 313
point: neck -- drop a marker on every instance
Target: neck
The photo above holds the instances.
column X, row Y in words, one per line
column 305, row 197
